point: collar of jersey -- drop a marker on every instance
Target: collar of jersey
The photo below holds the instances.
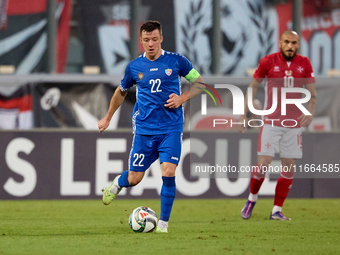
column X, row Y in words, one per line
column 144, row 56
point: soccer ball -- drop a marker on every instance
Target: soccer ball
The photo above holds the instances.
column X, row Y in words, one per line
column 143, row 219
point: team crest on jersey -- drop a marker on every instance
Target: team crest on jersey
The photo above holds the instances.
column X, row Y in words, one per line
column 168, row 72
column 300, row 69
column 289, row 72
column 140, row 76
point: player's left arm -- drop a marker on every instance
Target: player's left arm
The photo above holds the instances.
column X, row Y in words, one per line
column 195, row 78
column 305, row 120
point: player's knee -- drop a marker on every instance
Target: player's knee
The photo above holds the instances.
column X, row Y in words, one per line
column 264, row 162
column 169, row 172
column 134, row 179
column 168, row 169
column 288, row 164
column 264, row 165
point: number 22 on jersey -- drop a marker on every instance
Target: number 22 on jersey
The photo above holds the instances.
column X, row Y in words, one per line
column 155, row 84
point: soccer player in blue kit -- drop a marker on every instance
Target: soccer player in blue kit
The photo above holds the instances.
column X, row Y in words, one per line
column 157, row 116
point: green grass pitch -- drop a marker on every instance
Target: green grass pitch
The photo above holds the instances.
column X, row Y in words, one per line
column 196, row 227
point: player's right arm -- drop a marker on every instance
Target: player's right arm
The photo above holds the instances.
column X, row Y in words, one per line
column 254, row 84
column 116, row 101
column 117, row 98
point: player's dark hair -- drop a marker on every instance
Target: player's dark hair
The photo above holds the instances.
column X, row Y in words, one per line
column 150, row 26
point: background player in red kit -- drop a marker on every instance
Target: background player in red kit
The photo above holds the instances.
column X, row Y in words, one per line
column 282, row 69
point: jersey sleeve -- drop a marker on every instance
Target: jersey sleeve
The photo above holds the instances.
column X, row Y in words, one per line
column 187, row 70
column 185, row 66
column 127, row 81
column 261, row 70
column 310, row 78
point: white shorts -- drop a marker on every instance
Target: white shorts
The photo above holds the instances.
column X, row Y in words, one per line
column 287, row 141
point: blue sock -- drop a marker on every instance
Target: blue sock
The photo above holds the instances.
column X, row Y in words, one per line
column 123, row 179
column 168, row 194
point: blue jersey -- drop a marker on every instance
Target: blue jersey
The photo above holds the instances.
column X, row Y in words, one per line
column 156, row 81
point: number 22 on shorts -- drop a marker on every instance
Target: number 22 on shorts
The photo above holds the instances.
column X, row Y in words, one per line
column 138, row 159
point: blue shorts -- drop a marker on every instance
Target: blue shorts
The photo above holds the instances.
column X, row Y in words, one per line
column 146, row 149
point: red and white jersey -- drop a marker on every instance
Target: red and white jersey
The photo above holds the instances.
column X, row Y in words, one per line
column 281, row 73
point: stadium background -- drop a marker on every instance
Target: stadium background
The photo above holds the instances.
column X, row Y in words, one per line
column 49, row 146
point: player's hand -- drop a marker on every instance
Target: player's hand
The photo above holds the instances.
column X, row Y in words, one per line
column 305, row 120
column 174, row 101
column 242, row 128
column 103, row 124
